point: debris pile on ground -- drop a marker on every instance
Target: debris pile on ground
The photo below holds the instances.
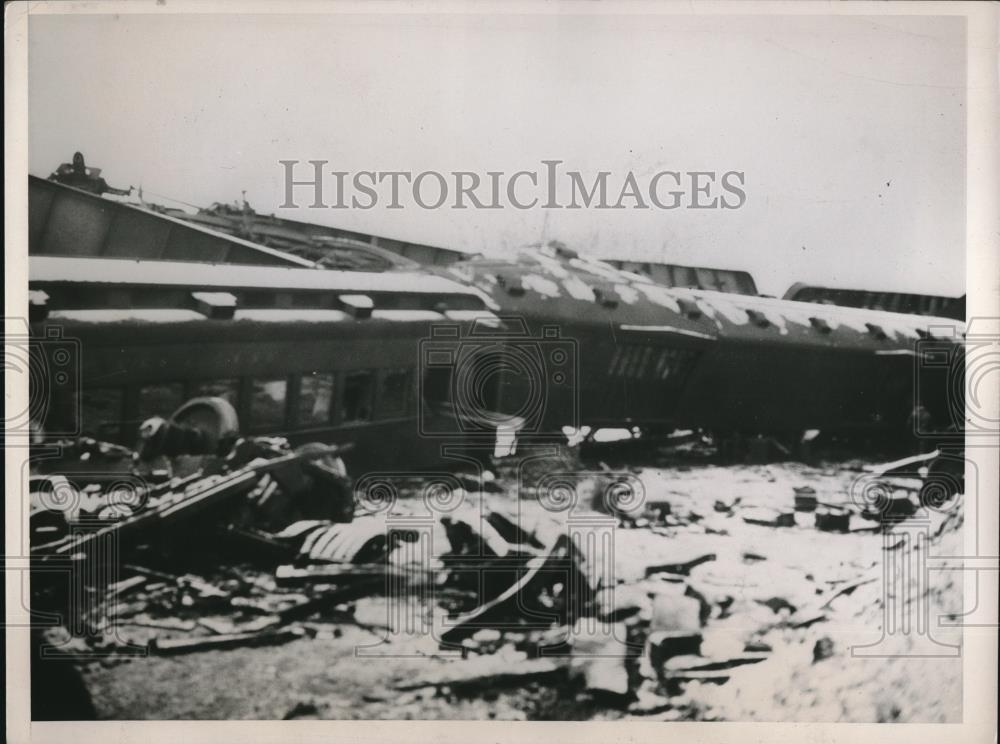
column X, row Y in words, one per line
column 641, row 593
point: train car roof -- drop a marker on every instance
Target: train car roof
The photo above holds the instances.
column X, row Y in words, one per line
column 65, row 221
column 112, row 271
column 314, row 232
column 731, row 281
column 910, row 303
column 563, row 285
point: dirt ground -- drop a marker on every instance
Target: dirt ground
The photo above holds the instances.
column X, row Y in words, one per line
column 804, row 601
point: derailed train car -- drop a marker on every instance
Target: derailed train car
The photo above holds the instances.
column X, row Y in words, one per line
column 658, row 357
column 311, row 355
column 581, row 343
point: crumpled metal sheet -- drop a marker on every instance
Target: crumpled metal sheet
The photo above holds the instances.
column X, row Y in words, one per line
column 366, row 539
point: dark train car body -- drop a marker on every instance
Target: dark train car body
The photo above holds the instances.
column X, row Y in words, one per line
column 660, row 357
column 312, row 355
column 583, row 343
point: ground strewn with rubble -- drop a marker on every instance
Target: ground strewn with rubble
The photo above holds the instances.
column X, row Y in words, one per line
column 716, row 613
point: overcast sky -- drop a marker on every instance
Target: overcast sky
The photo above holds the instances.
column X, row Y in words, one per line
column 851, row 131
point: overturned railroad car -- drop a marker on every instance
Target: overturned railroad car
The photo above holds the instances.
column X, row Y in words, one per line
column 898, row 302
column 311, row 355
column 579, row 342
column 657, row 357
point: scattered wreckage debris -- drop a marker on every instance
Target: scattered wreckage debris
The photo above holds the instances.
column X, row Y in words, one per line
column 849, row 589
column 805, row 499
column 682, row 569
column 559, row 568
column 599, row 652
column 769, row 517
column 522, row 603
column 823, row 649
column 832, row 519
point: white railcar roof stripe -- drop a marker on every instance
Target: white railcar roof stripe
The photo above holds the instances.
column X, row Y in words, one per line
column 230, row 276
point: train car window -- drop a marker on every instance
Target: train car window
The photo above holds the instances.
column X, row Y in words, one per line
column 437, row 385
column 101, row 412
column 228, row 389
column 315, row 404
column 267, row 403
column 258, row 299
column 359, row 388
column 160, row 399
column 394, row 396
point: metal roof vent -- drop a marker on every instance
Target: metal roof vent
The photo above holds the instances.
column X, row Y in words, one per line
column 820, row 325
column 215, row 305
column 689, row 308
column 877, row 331
column 358, row 306
column 513, row 285
column 607, row 298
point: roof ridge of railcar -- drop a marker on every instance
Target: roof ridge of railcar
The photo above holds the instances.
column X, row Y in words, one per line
column 126, row 206
column 814, row 308
column 180, row 273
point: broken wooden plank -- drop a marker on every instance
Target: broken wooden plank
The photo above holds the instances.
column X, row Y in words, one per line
column 164, row 623
column 690, row 663
column 120, row 588
column 905, row 464
column 170, row 646
column 197, row 495
column 329, row 599
column 680, row 568
column 805, row 623
column 717, row 678
column 769, row 517
column 846, row 590
column 338, row 573
column 561, row 558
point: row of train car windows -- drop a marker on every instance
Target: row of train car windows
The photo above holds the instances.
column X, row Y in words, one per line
column 299, row 402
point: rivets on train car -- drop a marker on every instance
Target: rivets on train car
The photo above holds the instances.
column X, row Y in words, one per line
column 820, row 325
column 758, row 318
column 877, row 331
